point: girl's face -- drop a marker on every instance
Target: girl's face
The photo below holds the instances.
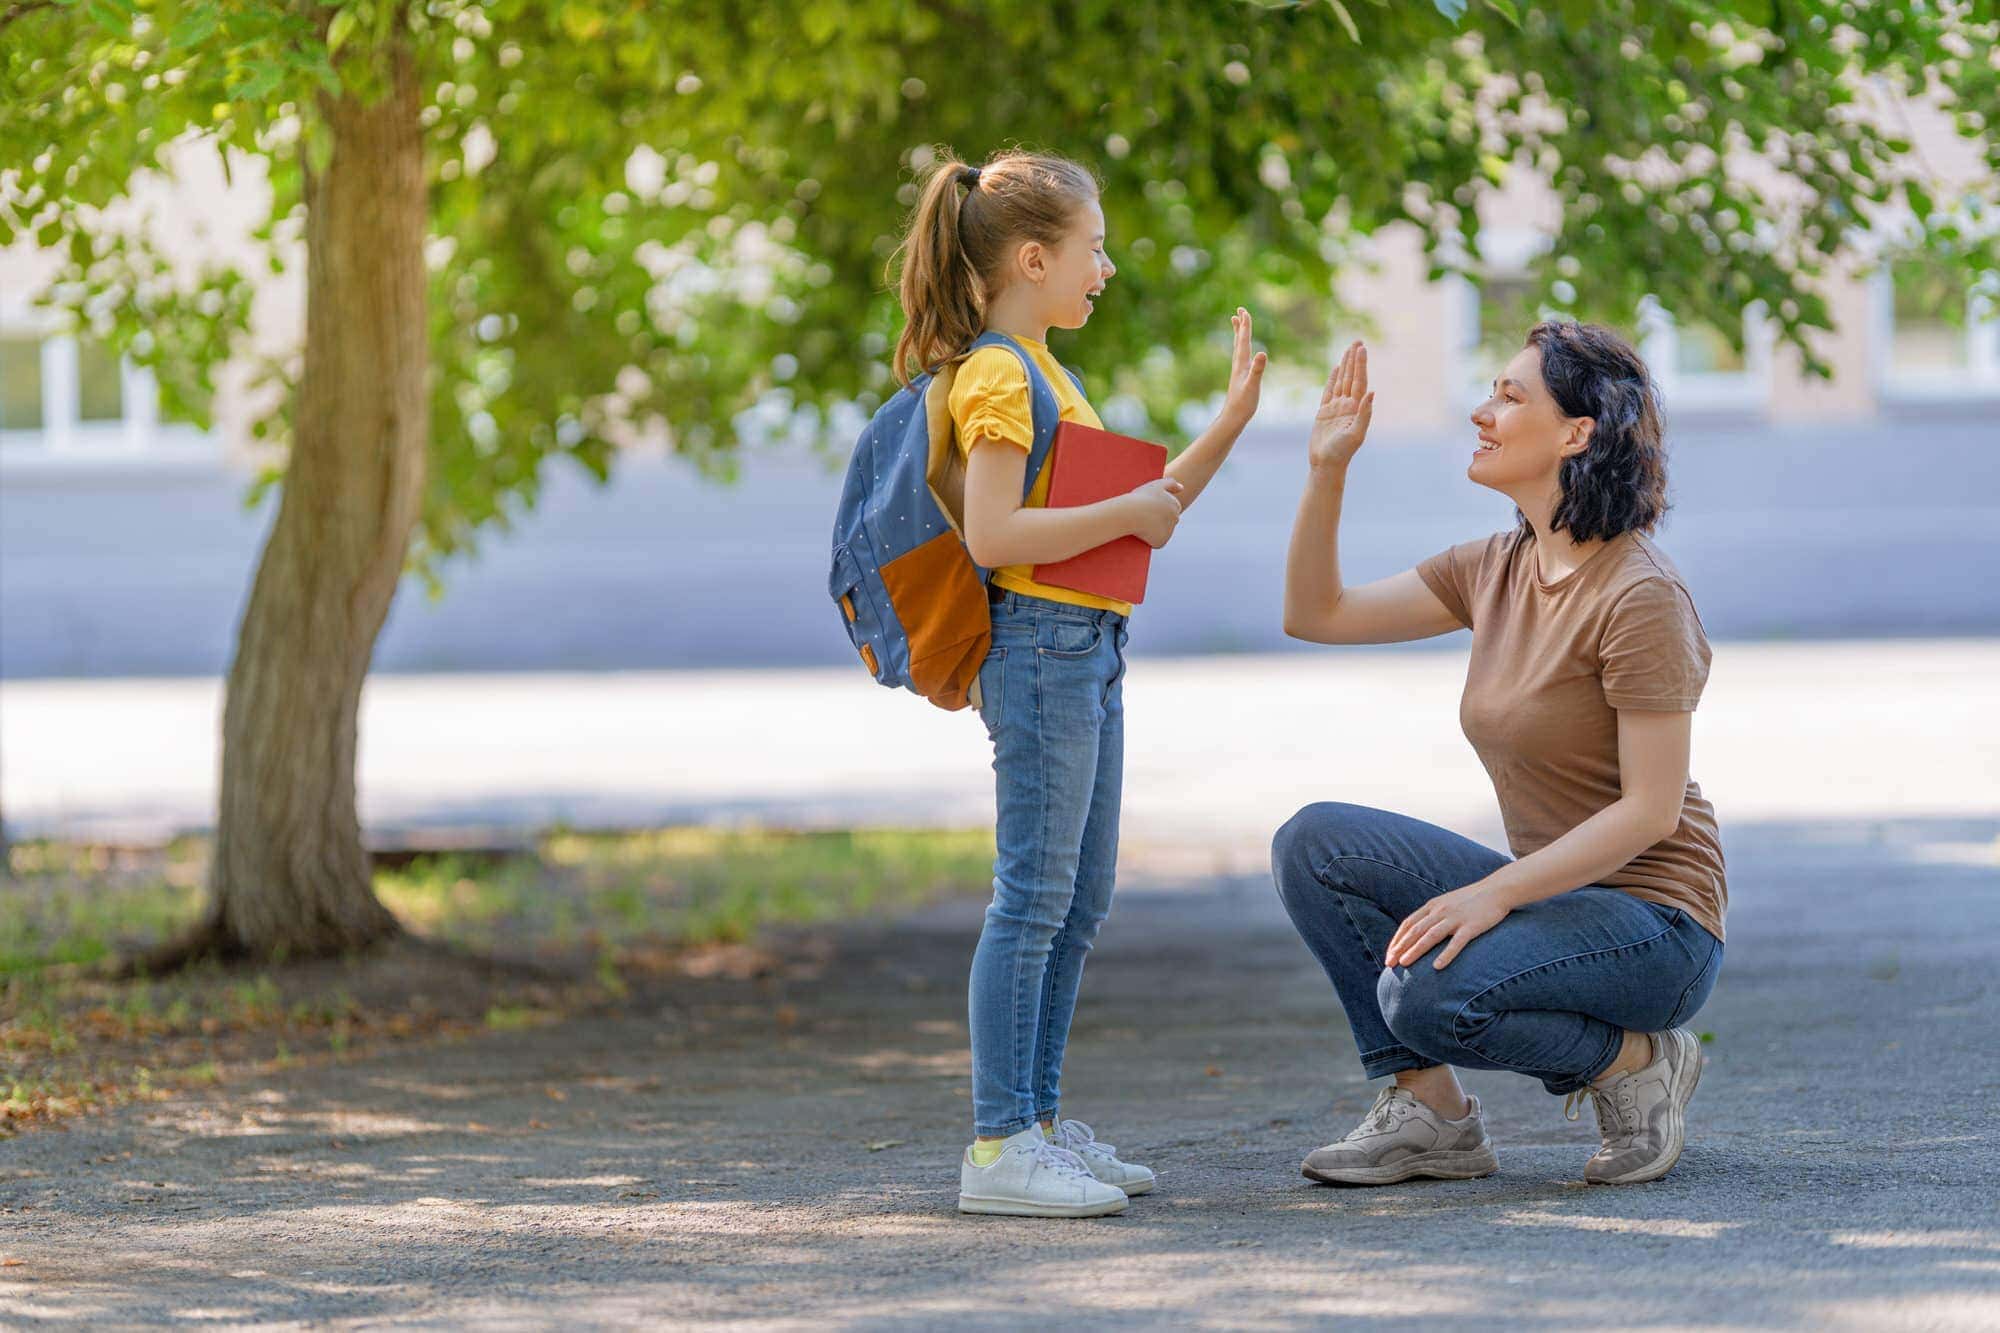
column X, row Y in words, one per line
column 1069, row 275
column 1523, row 435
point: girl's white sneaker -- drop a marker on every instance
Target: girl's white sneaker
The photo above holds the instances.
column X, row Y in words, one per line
column 1102, row 1158
column 1033, row 1177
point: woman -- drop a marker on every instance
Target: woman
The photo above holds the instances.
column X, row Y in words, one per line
column 1576, row 960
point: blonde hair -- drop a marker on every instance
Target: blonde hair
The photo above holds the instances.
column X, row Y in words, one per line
column 966, row 221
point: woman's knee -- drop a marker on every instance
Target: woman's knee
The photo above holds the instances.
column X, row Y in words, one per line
column 1307, row 841
column 1420, row 1005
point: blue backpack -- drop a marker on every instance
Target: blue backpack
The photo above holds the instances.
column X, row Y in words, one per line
column 912, row 600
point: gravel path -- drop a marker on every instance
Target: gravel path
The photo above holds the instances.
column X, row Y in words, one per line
column 781, row 1150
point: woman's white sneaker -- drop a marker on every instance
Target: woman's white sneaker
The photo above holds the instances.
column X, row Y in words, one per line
column 1032, row 1177
column 1102, row 1158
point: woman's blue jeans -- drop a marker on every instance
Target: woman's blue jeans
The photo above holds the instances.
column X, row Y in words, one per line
column 1052, row 699
column 1549, row 992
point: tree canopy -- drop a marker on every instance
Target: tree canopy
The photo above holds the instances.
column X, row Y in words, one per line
column 655, row 217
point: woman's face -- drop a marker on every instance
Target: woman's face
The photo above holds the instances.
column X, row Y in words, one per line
column 1074, row 271
column 1523, row 435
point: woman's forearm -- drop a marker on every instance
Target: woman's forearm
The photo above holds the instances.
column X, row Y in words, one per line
column 1605, row 842
column 1312, row 565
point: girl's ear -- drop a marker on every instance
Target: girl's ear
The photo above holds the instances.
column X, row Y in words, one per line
column 1032, row 261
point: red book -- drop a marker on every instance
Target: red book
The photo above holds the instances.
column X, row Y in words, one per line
column 1088, row 465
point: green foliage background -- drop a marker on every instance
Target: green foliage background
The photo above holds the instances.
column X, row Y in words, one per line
column 582, row 296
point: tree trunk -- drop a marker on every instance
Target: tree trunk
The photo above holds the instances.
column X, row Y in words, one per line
column 291, row 877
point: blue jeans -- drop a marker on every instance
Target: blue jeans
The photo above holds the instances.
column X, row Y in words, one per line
column 1549, row 992
column 1053, row 704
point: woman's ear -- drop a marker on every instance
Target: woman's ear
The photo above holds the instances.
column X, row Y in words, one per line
column 1580, row 431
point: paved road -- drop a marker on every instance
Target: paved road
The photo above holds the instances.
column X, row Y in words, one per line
column 1884, row 529
column 782, row 1151
column 1220, row 749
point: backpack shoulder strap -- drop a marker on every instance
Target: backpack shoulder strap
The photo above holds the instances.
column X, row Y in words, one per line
column 1044, row 410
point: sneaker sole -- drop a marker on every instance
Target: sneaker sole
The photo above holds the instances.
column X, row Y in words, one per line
column 1024, row 1208
column 1691, row 1076
column 1133, row 1191
column 1436, row 1166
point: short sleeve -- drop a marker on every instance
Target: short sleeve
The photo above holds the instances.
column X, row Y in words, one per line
column 1453, row 576
column 989, row 399
column 1653, row 652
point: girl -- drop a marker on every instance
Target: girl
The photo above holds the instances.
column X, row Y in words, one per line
column 1017, row 246
column 1576, row 963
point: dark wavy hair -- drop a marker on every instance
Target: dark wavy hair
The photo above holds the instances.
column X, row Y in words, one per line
column 1619, row 482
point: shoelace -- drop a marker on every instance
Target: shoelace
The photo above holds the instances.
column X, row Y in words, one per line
column 1059, row 1160
column 1609, row 1125
column 1077, row 1136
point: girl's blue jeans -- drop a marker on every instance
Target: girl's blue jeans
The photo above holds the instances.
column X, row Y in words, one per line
column 1052, row 699
column 1549, row 992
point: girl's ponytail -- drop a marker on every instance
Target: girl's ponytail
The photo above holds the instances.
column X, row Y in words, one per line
column 958, row 242
column 942, row 306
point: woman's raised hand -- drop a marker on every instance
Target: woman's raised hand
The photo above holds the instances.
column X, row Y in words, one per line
column 1341, row 423
column 1246, row 375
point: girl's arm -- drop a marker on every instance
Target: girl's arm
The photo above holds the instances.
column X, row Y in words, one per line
column 1653, row 774
column 1200, row 461
column 1318, row 607
column 999, row 530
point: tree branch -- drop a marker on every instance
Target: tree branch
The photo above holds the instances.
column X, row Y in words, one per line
column 12, row 12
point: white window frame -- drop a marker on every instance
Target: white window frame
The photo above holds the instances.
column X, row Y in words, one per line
column 65, row 440
column 1977, row 382
column 1509, row 252
column 1745, row 392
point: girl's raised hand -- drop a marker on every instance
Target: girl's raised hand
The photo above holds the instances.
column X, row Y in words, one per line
column 1246, row 375
column 1341, row 423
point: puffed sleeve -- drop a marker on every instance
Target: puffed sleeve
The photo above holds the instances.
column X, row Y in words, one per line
column 989, row 399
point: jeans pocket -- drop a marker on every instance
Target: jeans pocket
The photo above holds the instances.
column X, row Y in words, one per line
column 992, row 688
column 1064, row 636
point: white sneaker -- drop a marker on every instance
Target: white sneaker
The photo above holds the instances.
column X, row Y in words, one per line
column 1034, row 1178
column 1102, row 1158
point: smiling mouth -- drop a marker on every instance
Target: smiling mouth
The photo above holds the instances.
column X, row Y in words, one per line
column 1487, row 446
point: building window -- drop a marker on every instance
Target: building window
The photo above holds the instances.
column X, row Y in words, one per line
column 1943, row 336
column 1699, row 369
column 20, row 384
column 100, row 384
column 67, row 400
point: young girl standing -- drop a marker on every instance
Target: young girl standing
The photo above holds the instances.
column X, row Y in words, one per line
column 1017, row 247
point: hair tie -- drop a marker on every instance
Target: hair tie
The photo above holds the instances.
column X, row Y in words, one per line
column 968, row 177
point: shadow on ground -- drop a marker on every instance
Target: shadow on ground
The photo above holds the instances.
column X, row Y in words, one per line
column 783, row 1148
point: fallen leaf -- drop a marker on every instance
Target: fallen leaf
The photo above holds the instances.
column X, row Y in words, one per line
column 886, row 1144
column 787, row 1016
column 1213, row 1071
column 12, row 1263
column 556, row 1094
column 536, row 1124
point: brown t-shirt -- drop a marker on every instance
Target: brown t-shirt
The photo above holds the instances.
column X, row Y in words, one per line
column 1552, row 663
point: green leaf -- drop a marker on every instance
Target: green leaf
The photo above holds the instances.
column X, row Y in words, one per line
column 1346, row 20
column 338, row 31
column 1506, row 9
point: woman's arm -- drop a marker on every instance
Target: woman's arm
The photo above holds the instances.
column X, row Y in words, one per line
column 1653, row 774
column 1318, row 608
column 1000, row 530
column 1200, row 461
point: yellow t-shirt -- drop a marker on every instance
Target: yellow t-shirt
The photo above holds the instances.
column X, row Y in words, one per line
column 989, row 400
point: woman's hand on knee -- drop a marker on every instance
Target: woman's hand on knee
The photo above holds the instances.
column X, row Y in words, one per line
column 1460, row 917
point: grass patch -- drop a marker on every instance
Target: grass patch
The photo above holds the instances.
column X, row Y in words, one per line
column 598, row 913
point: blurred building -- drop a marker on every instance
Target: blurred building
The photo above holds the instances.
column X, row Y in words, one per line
column 1905, row 340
